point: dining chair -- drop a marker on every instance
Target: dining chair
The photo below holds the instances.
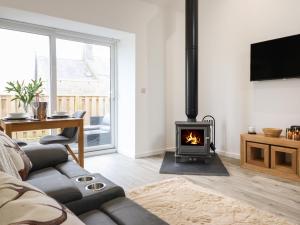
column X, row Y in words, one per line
column 66, row 137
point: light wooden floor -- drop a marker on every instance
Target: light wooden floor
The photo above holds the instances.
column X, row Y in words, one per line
column 265, row 192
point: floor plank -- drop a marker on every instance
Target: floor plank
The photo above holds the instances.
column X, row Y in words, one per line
column 276, row 195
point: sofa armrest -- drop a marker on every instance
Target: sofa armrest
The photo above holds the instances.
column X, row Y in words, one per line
column 43, row 156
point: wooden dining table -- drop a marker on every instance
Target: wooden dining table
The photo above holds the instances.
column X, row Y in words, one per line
column 10, row 126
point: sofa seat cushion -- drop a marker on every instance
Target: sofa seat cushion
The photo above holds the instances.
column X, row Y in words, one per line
column 22, row 203
column 46, row 172
column 71, row 169
column 58, row 187
column 126, row 212
column 96, row 217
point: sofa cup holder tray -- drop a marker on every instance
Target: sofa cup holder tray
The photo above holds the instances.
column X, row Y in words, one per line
column 87, row 178
column 97, row 186
column 90, row 183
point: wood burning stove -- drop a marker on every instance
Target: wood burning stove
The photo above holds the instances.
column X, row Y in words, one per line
column 193, row 139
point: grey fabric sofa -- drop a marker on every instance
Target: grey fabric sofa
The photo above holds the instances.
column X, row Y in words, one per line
column 57, row 176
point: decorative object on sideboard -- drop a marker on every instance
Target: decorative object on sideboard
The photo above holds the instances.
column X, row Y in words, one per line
column 272, row 132
column 251, row 130
column 293, row 133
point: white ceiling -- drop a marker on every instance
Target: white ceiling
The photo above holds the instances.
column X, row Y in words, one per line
column 158, row 2
column 175, row 4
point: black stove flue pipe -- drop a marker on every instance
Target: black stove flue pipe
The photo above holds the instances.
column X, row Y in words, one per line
column 191, row 77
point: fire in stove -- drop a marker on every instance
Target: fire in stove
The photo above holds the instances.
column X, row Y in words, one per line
column 193, row 139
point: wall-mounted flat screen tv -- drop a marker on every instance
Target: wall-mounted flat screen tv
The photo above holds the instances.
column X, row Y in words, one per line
column 276, row 59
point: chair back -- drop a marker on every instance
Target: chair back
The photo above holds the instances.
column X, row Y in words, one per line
column 96, row 120
column 71, row 132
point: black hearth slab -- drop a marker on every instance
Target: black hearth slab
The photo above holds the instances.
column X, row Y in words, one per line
column 214, row 168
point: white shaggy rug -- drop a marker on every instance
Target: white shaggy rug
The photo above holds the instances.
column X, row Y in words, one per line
column 180, row 202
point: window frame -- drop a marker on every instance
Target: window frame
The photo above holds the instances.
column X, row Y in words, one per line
column 55, row 33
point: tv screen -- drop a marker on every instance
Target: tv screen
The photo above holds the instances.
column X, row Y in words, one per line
column 276, row 59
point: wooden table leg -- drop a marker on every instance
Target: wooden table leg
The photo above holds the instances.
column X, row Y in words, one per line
column 81, row 145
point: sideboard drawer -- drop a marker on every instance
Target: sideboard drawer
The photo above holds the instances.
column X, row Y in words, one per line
column 258, row 154
column 284, row 159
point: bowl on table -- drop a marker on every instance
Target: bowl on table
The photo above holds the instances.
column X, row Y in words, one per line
column 61, row 113
column 272, row 132
column 17, row 115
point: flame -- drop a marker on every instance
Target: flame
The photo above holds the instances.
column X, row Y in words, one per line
column 192, row 139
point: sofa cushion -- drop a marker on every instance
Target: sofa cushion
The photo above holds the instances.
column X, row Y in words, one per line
column 21, row 203
column 58, row 187
column 42, row 173
column 71, row 169
column 126, row 212
column 43, row 156
column 6, row 163
column 20, row 159
column 96, row 217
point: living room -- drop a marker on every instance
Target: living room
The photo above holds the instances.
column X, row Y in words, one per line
column 145, row 85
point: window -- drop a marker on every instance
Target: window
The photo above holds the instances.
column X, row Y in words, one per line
column 20, row 60
column 78, row 72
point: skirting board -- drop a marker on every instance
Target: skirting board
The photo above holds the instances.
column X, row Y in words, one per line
column 150, row 153
column 228, row 154
column 100, row 152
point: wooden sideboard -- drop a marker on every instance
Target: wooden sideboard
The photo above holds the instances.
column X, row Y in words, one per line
column 275, row 156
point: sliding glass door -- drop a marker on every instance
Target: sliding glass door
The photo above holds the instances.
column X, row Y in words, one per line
column 84, row 83
column 78, row 74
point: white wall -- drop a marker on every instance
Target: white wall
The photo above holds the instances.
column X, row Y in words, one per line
column 146, row 21
column 226, row 30
column 175, row 73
